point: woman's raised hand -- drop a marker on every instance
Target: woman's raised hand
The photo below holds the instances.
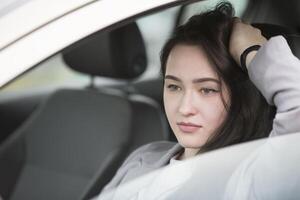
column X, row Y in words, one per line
column 243, row 36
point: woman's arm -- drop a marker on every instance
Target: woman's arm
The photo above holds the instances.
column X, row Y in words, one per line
column 271, row 171
column 275, row 71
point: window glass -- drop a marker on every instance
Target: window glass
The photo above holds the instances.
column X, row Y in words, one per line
column 51, row 73
column 156, row 29
column 54, row 73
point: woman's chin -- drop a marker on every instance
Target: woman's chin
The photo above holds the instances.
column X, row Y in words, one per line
column 191, row 144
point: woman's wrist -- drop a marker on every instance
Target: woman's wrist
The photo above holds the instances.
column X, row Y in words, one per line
column 250, row 57
column 247, row 55
column 243, row 39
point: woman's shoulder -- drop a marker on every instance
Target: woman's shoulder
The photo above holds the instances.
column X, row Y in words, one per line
column 153, row 152
column 158, row 146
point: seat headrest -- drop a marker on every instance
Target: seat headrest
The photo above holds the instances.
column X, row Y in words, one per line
column 294, row 42
column 119, row 53
column 271, row 30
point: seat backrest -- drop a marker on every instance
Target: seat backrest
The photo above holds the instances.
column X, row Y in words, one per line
column 294, row 42
column 70, row 139
column 120, row 54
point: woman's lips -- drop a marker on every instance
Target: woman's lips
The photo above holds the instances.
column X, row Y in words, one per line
column 188, row 127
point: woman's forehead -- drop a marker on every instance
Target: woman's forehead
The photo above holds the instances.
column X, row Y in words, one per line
column 189, row 61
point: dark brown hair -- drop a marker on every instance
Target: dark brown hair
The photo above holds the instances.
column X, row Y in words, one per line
column 249, row 115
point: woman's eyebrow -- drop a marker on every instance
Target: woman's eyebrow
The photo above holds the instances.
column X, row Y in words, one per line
column 172, row 78
column 198, row 80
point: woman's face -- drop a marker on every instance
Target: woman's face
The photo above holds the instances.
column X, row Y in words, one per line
column 192, row 96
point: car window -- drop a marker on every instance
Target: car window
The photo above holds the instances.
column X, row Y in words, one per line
column 156, row 29
column 54, row 73
column 49, row 74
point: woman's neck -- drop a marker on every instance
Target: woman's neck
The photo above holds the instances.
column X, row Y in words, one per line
column 188, row 153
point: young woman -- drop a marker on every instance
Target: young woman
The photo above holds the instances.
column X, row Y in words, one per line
column 222, row 79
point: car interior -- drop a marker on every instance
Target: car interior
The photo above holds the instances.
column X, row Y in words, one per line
column 68, row 143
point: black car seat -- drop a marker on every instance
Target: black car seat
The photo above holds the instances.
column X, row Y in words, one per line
column 271, row 30
column 71, row 146
column 125, row 59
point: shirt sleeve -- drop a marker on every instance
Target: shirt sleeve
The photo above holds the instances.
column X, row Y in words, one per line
column 276, row 73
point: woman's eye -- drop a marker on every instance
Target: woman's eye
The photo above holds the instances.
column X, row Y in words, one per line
column 172, row 87
column 207, row 91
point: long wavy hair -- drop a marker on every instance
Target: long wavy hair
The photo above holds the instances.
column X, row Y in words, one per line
column 249, row 115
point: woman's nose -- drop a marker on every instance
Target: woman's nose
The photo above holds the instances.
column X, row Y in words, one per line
column 187, row 107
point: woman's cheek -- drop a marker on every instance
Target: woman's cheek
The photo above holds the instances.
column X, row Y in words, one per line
column 167, row 104
column 215, row 111
column 171, row 106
